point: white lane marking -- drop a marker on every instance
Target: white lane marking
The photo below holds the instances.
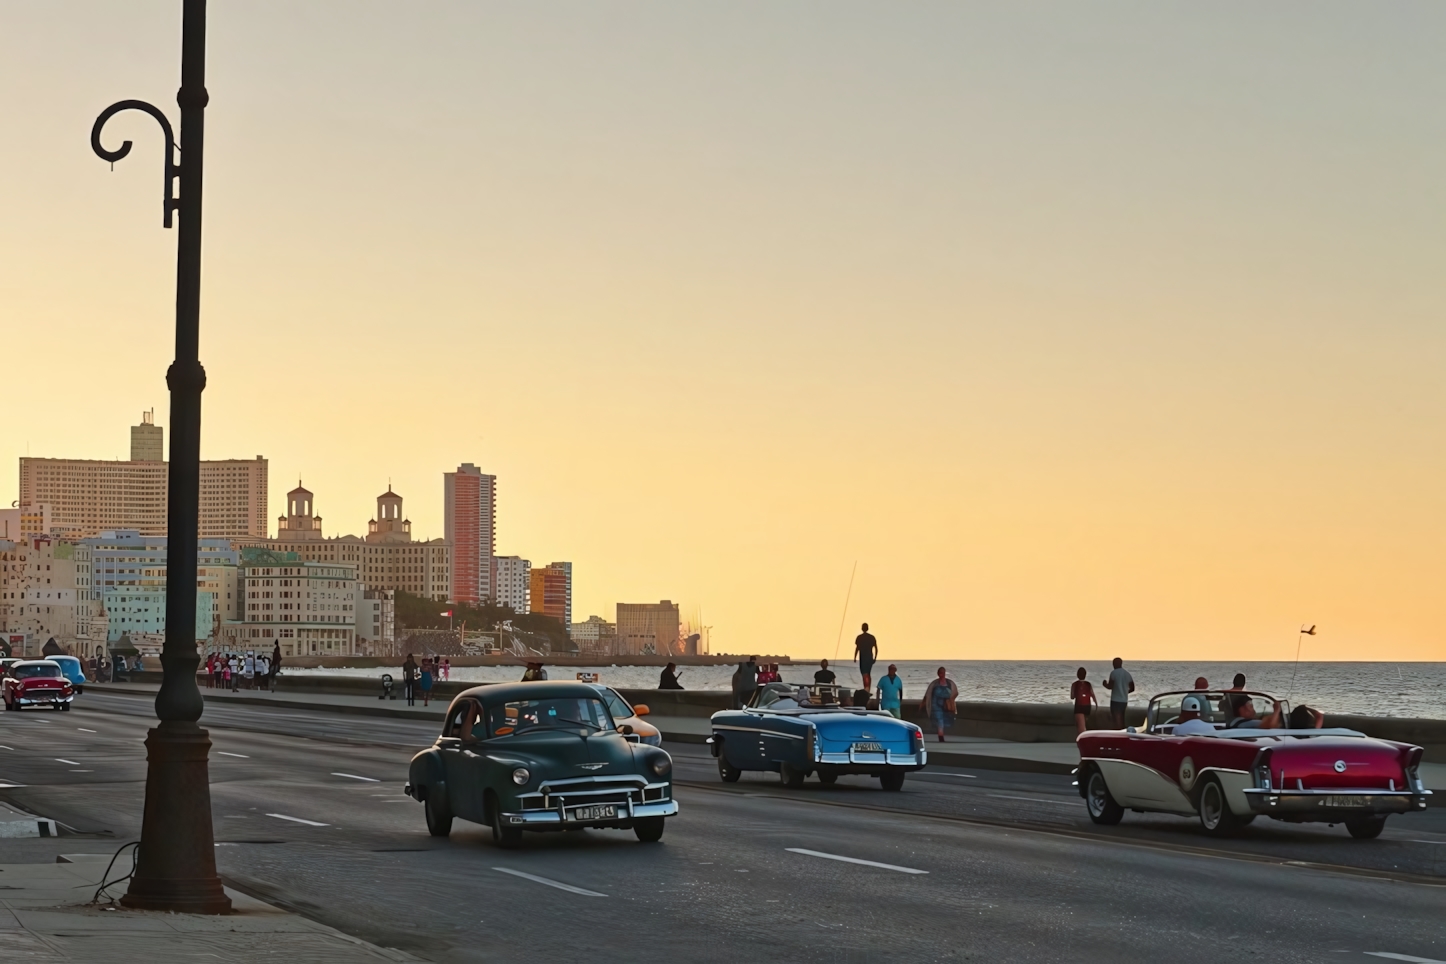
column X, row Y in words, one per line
column 82, row 771
column 1057, row 803
column 550, row 883
column 309, row 823
column 853, row 860
column 961, row 776
column 70, row 762
column 240, row 755
column 84, row 730
column 1403, row 957
column 1441, row 843
column 11, row 748
column 11, row 786
column 353, row 776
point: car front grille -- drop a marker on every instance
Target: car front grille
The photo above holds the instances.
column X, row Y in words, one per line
column 586, row 791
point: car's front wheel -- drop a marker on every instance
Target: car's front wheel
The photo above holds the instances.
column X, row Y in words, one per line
column 892, row 781
column 1215, row 813
column 1366, row 828
column 727, row 771
column 1099, row 802
column 791, row 776
column 507, row 838
column 648, row 829
column 439, row 815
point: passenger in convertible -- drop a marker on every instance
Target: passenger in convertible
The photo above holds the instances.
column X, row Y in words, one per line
column 1190, row 723
column 1300, row 718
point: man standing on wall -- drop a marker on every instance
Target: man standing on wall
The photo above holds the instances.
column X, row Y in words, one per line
column 866, row 650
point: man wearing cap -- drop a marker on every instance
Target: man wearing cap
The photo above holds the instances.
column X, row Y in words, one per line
column 1190, row 723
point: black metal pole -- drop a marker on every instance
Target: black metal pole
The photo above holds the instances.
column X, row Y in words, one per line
column 176, row 864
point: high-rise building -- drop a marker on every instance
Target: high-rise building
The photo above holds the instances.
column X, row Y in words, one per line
column 148, row 440
column 23, row 521
column 90, row 496
column 513, row 578
column 596, row 635
column 124, row 577
column 647, row 629
column 550, row 592
column 471, row 515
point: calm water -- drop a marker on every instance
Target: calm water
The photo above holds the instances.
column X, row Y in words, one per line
column 1372, row 689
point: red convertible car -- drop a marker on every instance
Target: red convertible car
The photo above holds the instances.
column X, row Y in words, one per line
column 1238, row 759
column 36, row 682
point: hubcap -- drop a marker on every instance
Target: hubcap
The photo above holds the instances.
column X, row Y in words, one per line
column 1097, row 794
column 1210, row 807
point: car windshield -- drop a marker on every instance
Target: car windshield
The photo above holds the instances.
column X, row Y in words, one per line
column 618, row 706
column 36, row 671
column 560, row 713
column 1224, row 709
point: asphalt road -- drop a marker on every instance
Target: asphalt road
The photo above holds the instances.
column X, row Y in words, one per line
column 962, row 865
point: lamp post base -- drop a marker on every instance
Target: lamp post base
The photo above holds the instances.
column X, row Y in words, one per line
column 176, row 866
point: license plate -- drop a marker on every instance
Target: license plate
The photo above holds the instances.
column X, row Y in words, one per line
column 1345, row 802
column 868, row 748
column 595, row 813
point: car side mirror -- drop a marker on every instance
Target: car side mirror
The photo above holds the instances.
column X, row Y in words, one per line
column 641, row 709
column 625, row 729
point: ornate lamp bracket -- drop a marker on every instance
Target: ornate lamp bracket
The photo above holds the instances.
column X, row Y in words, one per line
column 173, row 168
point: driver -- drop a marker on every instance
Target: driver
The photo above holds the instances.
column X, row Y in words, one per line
column 1190, row 723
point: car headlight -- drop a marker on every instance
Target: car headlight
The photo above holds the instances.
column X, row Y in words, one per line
column 520, row 776
column 661, row 766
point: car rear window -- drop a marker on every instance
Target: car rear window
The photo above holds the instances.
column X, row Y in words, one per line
column 36, row 672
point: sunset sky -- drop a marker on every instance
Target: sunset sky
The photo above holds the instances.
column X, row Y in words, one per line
column 1083, row 330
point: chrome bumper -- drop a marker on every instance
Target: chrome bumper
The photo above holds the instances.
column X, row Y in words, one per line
column 886, row 759
column 552, row 819
column 27, row 701
column 1334, row 804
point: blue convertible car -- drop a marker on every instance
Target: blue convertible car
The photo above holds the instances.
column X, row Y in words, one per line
column 798, row 730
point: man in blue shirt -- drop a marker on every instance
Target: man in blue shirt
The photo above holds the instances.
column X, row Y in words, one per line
column 891, row 692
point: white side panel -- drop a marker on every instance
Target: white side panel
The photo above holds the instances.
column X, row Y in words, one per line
column 1135, row 785
column 1234, row 783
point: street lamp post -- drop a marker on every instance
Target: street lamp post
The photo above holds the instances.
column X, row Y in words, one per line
column 176, row 864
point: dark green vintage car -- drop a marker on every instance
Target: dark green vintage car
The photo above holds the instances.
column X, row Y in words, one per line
column 540, row 756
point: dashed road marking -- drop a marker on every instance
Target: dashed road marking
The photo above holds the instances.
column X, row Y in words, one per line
column 854, row 860
column 1403, row 957
column 84, row 730
column 239, row 755
column 1057, row 803
column 309, row 823
column 68, row 762
column 353, row 776
column 549, row 882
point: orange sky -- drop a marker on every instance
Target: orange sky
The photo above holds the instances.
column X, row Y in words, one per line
column 1082, row 332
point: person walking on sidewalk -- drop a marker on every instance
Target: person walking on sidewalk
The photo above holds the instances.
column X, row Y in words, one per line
column 225, row 674
column 427, row 665
column 866, row 651
column 940, row 702
column 409, row 680
column 446, row 669
column 891, row 693
column 1082, row 694
column 1120, row 684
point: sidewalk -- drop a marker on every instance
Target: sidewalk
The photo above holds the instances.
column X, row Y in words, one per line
column 44, row 917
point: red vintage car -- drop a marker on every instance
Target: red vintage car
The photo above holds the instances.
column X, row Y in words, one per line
column 1243, row 761
column 36, row 682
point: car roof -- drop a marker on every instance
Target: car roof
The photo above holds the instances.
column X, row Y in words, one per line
column 39, row 662
column 538, row 690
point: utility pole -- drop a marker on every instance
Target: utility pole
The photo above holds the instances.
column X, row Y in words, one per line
column 176, row 860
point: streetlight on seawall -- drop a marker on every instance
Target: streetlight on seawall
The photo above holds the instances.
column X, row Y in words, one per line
column 176, row 862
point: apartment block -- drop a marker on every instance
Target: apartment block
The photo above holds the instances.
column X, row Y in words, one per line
column 647, row 629
column 470, row 512
column 513, row 578
column 550, row 591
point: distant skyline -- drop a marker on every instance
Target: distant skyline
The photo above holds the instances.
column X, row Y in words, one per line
column 1084, row 331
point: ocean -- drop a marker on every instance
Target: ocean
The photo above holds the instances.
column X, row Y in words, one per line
column 1369, row 689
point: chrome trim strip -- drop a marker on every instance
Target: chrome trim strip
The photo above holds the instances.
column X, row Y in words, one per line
column 551, row 818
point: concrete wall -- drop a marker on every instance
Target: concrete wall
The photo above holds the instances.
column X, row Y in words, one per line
column 1017, row 722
